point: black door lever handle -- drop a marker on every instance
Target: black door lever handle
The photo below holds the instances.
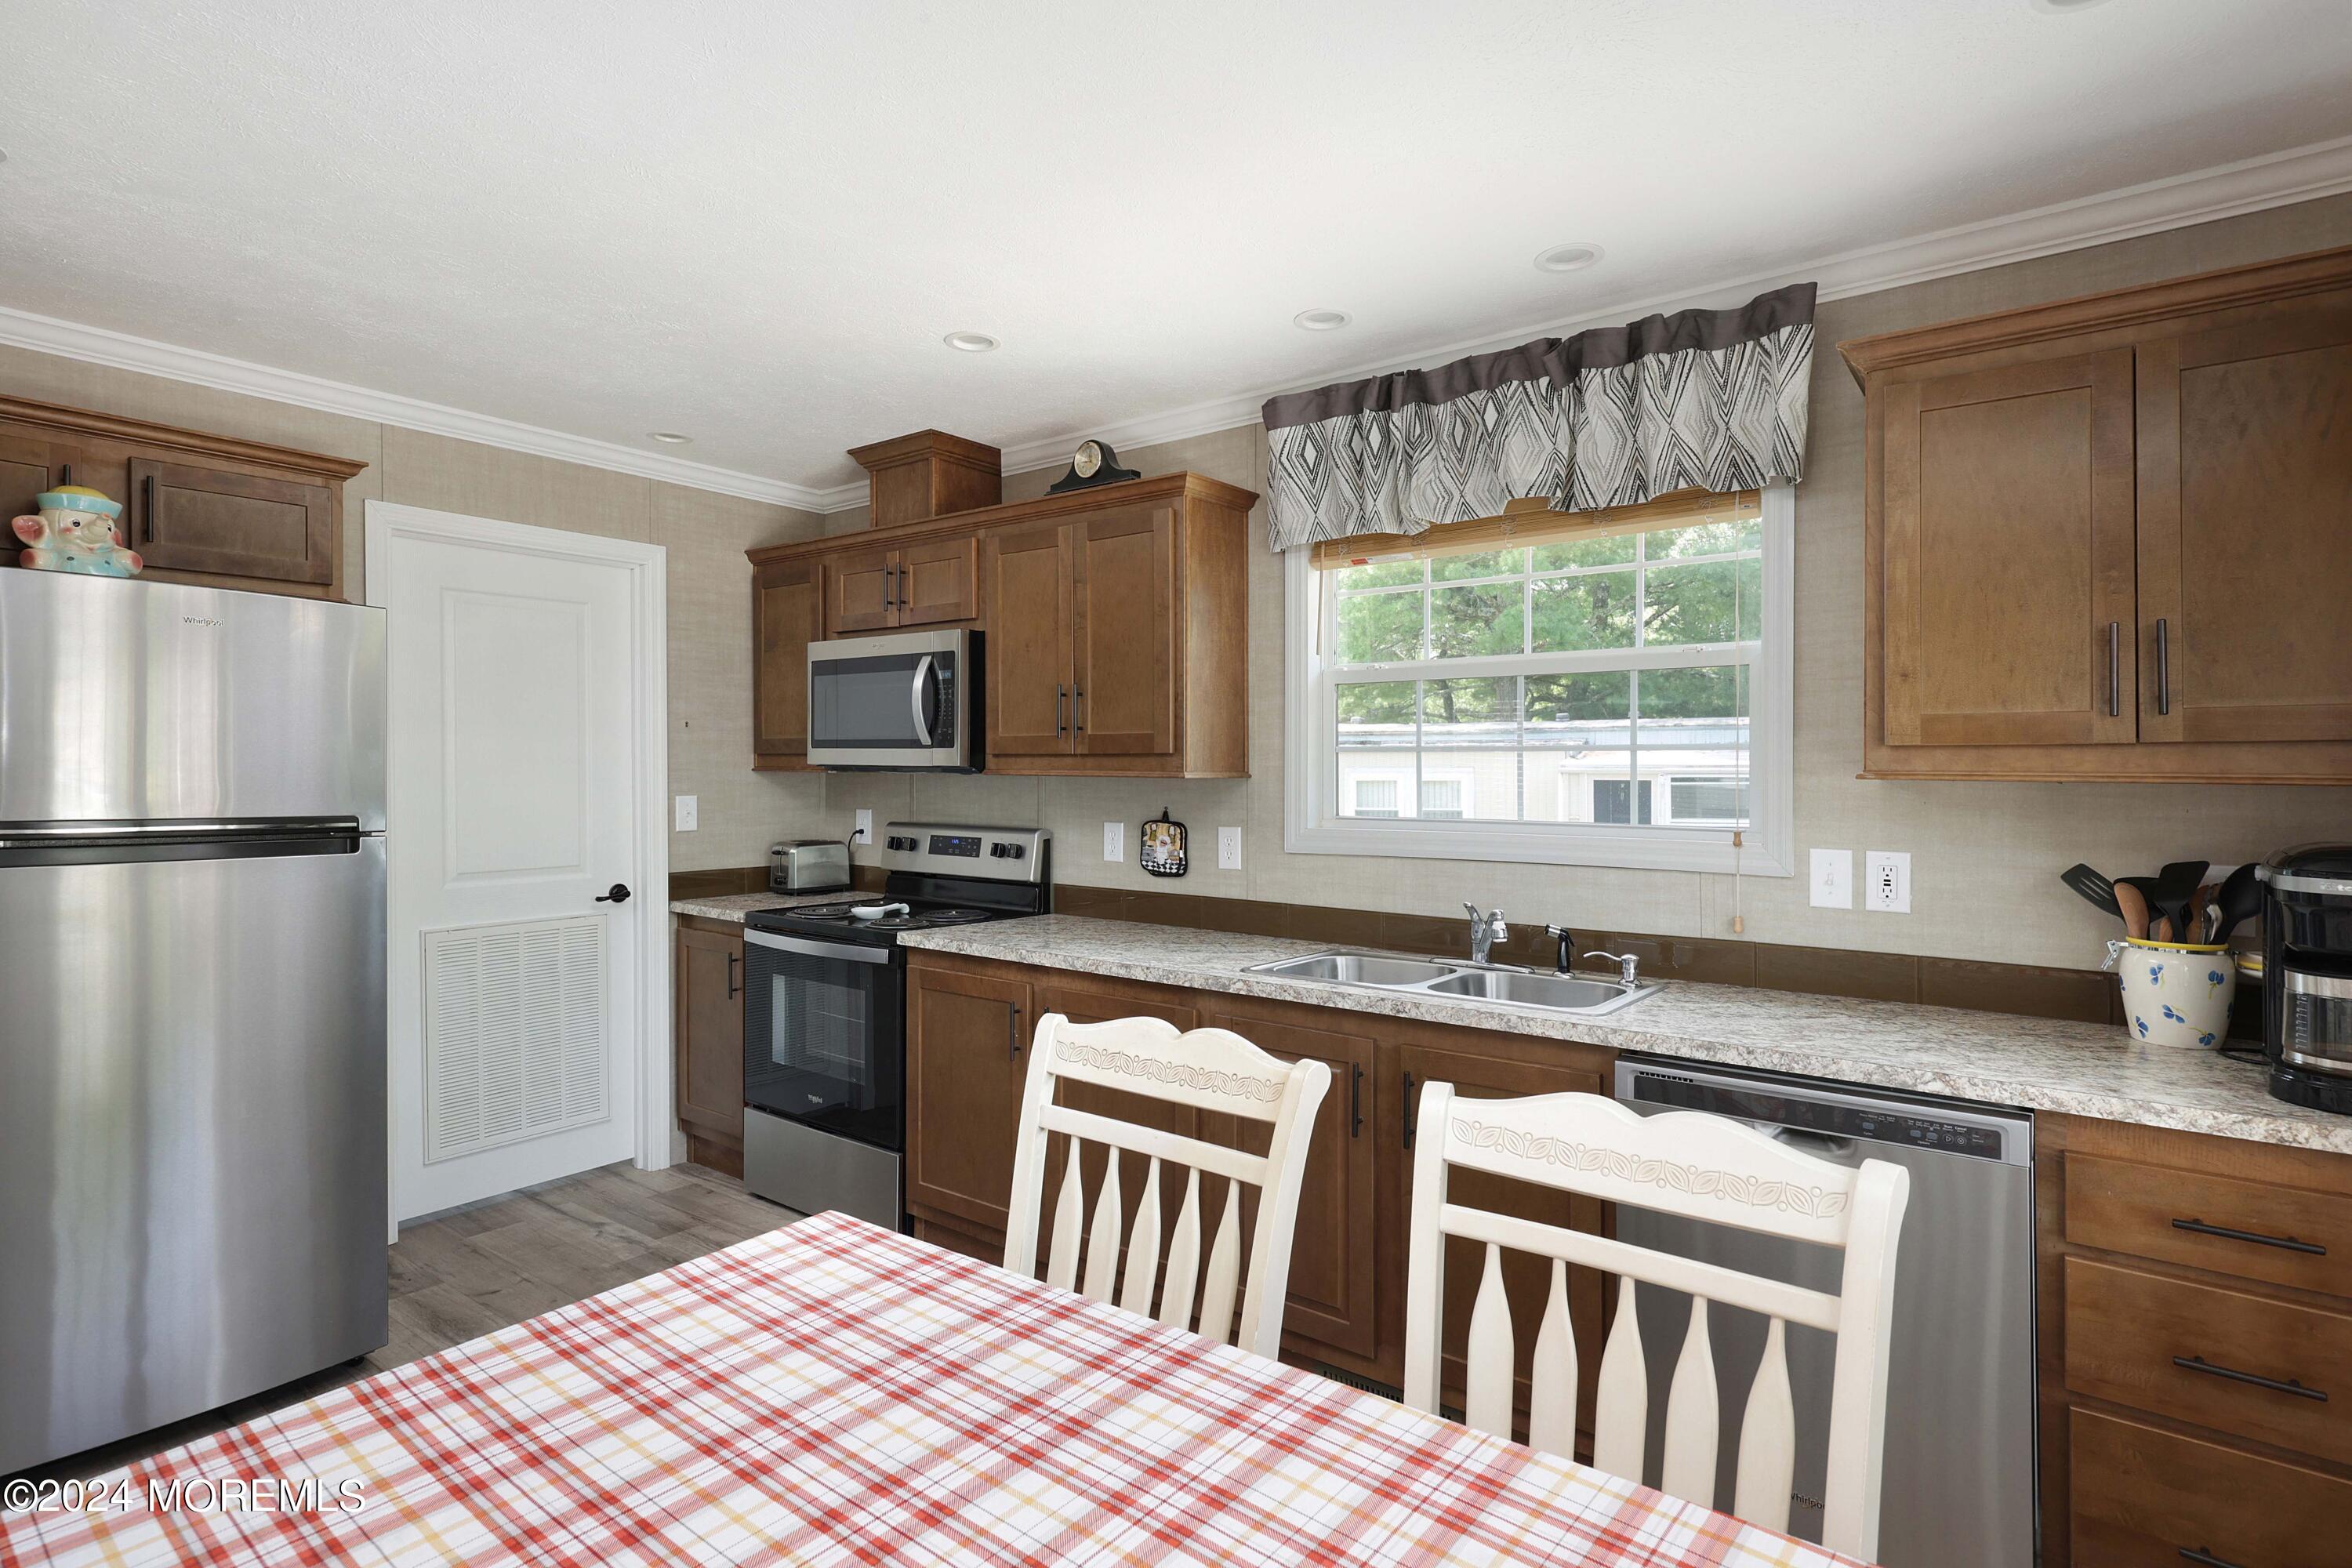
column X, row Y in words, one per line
column 619, row 895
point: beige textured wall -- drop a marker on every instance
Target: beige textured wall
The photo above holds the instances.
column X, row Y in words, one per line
column 705, row 536
column 1984, row 856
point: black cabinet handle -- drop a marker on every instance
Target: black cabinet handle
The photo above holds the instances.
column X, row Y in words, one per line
column 618, row 895
column 1356, row 1102
column 1012, row 1033
column 1408, row 1111
column 2163, row 669
column 147, row 508
column 1077, row 708
column 1061, row 696
column 2199, row 1364
column 2199, row 1555
column 732, row 989
column 2226, row 1234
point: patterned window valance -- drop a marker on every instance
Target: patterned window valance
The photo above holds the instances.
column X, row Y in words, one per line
column 1709, row 400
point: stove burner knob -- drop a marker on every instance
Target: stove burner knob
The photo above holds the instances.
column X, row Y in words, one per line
column 1006, row 851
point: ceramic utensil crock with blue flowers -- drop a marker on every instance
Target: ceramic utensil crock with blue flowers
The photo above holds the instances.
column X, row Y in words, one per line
column 2175, row 993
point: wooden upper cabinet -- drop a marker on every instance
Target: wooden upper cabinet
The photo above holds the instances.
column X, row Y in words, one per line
column 208, row 510
column 784, row 619
column 1115, row 622
column 938, row 581
column 194, row 519
column 2111, row 538
column 2245, row 527
column 2008, row 614
column 1029, row 652
column 923, row 584
column 1123, row 696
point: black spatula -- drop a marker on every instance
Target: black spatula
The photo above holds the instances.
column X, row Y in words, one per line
column 2095, row 888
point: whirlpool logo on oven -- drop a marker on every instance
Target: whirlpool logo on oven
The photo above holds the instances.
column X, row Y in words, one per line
column 202, row 621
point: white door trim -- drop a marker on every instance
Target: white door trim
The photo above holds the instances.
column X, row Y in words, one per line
column 647, row 565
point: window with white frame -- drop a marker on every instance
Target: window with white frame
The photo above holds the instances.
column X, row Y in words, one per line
column 1609, row 689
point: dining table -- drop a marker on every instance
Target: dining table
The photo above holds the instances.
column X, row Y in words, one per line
column 833, row 1392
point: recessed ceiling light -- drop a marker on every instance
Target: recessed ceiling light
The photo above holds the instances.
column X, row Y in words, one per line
column 1321, row 320
column 1574, row 256
column 2061, row 8
column 970, row 343
column 668, row 437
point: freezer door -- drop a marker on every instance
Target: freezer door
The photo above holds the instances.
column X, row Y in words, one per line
column 125, row 701
column 192, row 1135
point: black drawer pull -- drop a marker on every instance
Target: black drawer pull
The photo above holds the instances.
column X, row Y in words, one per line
column 2226, row 1234
column 2199, row 1364
column 2199, row 1555
column 1013, row 1032
column 1356, row 1102
column 1408, row 1111
column 147, row 510
column 732, row 988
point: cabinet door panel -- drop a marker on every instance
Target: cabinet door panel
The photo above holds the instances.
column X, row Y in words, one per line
column 967, row 1059
column 860, row 592
column 244, row 525
column 784, row 610
column 1124, row 697
column 1332, row 1270
column 2245, row 528
column 2009, row 606
column 709, row 1068
column 1028, row 581
column 939, row 581
column 1527, row 1280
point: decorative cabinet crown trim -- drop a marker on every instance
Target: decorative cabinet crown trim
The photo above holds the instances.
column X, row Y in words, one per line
column 1160, row 487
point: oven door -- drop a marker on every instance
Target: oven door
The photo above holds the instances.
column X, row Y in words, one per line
column 892, row 702
column 824, row 1034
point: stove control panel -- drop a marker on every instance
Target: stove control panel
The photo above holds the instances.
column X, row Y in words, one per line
column 1001, row 853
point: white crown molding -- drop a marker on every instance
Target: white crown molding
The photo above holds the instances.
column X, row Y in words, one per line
column 2252, row 184
column 98, row 345
column 2227, row 190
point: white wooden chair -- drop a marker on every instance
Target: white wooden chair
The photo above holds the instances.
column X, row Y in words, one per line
column 1208, row 1070
column 1681, row 1163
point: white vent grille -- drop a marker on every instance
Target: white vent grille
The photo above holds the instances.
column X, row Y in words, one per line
column 514, row 1033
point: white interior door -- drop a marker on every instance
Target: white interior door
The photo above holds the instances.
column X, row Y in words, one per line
column 516, row 805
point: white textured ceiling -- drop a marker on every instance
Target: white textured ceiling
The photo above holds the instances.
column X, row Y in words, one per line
column 753, row 222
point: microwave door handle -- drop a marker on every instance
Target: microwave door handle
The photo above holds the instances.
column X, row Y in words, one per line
column 923, row 677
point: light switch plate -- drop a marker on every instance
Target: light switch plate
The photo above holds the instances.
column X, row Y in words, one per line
column 864, row 832
column 1229, row 848
column 690, row 813
column 1887, row 881
column 1832, row 878
column 1114, row 841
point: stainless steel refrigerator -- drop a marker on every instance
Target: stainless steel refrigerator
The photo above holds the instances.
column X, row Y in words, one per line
column 191, row 1001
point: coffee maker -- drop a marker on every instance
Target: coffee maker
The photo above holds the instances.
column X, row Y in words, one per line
column 2307, row 974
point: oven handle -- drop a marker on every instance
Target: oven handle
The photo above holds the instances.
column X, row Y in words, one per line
column 812, row 948
column 922, row 680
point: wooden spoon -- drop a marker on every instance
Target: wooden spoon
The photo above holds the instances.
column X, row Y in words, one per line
column 2132, row 904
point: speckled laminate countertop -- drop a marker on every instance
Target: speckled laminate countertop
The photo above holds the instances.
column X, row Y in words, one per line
column 2040, row 1063
column 735, row 906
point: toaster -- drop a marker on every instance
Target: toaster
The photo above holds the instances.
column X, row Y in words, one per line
column 808, row 866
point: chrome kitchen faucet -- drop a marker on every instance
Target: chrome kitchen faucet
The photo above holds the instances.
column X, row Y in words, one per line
column 1484, row 931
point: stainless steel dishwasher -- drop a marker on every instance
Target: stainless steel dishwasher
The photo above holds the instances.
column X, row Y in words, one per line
column 1959, row 1475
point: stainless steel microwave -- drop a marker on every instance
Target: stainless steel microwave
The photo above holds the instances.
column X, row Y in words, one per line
column 905, row 703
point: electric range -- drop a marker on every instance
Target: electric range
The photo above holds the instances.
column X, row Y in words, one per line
column 825, row 1011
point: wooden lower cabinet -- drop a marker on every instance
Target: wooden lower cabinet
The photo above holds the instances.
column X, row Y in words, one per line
column 1345, row 1307
column 708, row 990
column 967, row 1058
column 2193, row 1384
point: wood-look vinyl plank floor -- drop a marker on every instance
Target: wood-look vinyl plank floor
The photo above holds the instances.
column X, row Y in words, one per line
column 471, row 1271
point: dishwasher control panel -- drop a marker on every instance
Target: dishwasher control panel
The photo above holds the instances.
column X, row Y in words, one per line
column 1825, row 1115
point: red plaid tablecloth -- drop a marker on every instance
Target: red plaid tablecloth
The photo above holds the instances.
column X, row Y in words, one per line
column 834, row 1393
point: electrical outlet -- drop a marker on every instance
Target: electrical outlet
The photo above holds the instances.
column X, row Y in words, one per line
column 1887, row 884
column 690, row 812
column 1114, row 841
column 864, row 832
column 1229, row 848
column 1832, row 878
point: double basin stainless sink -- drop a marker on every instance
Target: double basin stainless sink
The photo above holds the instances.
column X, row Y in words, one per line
column 1565, row 993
